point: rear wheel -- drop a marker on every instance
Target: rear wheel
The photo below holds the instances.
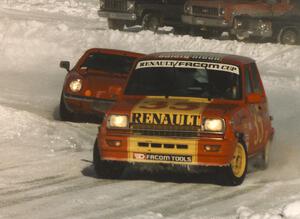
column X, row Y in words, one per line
column 151, row 22
column 264, row 157
column 106, row 169
column 288, row 36
column 235, row 173
column 115, row 24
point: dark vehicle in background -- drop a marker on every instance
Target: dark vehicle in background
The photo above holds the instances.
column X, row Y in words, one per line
column 150, row 14
column 95, row 82
column 261, row 19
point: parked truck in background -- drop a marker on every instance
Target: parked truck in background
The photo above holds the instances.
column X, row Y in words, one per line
column 243, row 19
column 150, row 14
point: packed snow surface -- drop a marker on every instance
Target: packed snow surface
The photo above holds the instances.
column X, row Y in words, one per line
column 45, row 164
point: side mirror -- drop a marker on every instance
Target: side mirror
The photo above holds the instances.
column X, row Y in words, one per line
column 115, row 91
column 254, row 98
column 65, row 65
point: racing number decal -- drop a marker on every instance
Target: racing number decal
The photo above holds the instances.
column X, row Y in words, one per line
column 154, row 104
column 184, row 106
column 175, row 106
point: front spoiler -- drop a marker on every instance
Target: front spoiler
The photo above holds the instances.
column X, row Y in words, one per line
column 88, row 105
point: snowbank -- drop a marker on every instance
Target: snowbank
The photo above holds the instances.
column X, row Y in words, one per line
column 86, row 8
column 290, row 211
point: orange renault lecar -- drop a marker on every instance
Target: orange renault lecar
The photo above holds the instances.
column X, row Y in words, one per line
column 191, row 110
column 95, row 82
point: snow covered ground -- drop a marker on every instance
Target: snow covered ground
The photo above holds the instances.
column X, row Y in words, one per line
column 45, row 168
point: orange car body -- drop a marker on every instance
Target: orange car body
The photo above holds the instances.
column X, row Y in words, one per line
column 167, row 129
column 101, row 80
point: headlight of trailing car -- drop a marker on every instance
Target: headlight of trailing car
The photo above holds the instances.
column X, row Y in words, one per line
column 214, row 125
column 130, row 5
column 117, row 121
column 75, row 85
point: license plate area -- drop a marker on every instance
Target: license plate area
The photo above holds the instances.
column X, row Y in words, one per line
column 164, row 158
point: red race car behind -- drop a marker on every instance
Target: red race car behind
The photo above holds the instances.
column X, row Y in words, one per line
column 95, row 82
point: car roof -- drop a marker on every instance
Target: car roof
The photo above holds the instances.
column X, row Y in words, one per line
column 202, row 56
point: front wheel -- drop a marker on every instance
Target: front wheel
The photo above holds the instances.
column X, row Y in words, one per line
column 106, row 169
column 235, row 173
column 288, row 37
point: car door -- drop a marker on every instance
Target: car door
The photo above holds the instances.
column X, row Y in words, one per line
column 258, row 110
column 263, row 116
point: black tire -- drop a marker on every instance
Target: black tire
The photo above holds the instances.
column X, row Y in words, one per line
column 64, row 113
column 288, row 37
column 106, row 169
column 151, row 22
column 264, row 157
column 115, row 24
column 232, row 176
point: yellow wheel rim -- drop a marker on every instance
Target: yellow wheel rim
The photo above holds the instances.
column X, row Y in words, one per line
column 238, row 163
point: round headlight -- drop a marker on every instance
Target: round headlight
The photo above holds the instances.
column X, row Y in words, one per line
column 117, row 121
column 75, row 85
column 214, row 125
column 188, row 9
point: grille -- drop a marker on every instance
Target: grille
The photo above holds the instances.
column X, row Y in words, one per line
column 205, row 11
column 159, row 145
column 165, row 130
column 115, row 5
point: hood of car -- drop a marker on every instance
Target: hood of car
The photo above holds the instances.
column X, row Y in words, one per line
column 104, row 86
column 172, row 110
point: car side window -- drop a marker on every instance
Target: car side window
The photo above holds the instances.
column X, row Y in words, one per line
column 248, row 84
column 257, row 88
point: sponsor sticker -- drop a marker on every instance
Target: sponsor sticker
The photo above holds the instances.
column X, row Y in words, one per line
column 187, row 64
column 163, row 157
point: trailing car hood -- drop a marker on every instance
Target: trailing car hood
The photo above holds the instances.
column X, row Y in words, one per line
column 104, row 86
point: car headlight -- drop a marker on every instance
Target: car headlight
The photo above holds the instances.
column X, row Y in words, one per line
column 130, row 5
column 222, row 11
column 188, row 9
column 264, row 25
column 117, row 121
column 214, row 125
column 75, row 85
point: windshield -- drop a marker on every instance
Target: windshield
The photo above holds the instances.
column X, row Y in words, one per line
column 185, row 82
column 109, row 63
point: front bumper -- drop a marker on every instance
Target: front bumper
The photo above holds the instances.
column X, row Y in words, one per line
column 163, row 150
column 117, row 15
column 202, row 21
column 87, row 105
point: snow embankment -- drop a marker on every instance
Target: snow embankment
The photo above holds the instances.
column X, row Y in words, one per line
column 86, row 8
column 290, row 211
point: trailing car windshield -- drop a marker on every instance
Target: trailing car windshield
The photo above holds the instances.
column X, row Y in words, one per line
column 216, row 81
column 109, row 63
